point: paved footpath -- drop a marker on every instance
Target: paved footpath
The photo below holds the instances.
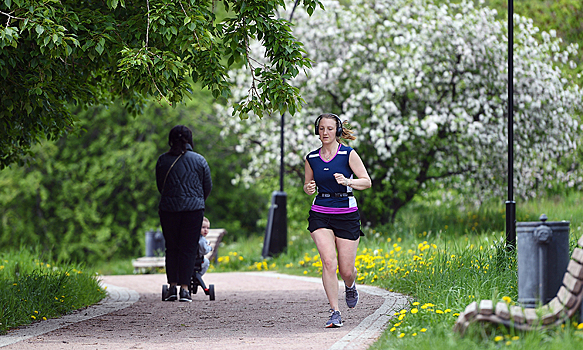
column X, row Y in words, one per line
column 252, row 310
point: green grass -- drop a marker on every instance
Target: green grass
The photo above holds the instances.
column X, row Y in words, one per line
column 114, row 267
column 32, row 289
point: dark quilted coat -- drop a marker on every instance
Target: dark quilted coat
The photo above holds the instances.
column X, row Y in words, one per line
column 188, row 184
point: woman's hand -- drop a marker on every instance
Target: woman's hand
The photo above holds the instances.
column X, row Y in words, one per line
column 342, row 180
column 310, row 187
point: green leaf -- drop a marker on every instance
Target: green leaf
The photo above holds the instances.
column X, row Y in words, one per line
column 39, row 29
column 99, row 48
column 8, row 3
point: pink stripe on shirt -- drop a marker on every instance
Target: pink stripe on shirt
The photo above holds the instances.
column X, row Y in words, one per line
column 326, row 210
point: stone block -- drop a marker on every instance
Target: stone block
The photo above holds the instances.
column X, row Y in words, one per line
column 556, row 307
column 471, row 310
column 531, row 316
column 566, row 298
column 575, row 269
column 517, row 314
column 502, row 310
column 580, row 242
column 486, row 307
column 572, row 284
column 577, row 255
column 547, row 315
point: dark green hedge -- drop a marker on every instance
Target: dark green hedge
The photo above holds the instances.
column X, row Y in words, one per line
column 91, row 196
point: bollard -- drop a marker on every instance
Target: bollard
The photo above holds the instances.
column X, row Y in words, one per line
column 275, row 240
column 155, row 243
column 543, row 256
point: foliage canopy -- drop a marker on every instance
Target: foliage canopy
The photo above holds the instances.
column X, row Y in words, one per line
column 59, row 53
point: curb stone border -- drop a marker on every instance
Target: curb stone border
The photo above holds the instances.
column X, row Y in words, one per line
column 372, row 326
column 118, row 298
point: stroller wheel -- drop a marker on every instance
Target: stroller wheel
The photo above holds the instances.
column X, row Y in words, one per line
column 164, row 291
column 211, row 292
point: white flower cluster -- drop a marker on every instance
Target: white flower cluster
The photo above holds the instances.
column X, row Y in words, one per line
column 425, row 88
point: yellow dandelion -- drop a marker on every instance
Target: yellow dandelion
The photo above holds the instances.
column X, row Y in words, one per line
column 423, row 330
column 401, row 335
column 416, row 303
column 33, row 317
column 515, row 337
column 499, row 338
column 414, row 311
column 438, row 311
column 404, row 311
column 305, row 272
column 508, row 342
column 414, row 334
column 401, row 317
column 580, row 326
column 393, row 329
column 44, row 318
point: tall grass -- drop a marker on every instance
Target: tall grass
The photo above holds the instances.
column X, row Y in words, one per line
column 34, row 289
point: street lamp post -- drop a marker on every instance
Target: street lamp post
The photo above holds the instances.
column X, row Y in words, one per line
column 275, row 240
column 510, row 203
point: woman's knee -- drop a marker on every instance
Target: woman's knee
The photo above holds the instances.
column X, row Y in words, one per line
column 329, row 263
column 347, row 271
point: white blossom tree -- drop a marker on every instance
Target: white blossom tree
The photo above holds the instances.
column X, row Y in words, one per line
column 424, row 86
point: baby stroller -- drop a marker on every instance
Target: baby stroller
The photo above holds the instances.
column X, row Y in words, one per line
column 196, row 281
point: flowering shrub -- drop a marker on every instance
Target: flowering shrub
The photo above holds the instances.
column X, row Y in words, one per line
column 425, row 88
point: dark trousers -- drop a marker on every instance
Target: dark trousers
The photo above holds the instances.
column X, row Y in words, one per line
column 181, row 232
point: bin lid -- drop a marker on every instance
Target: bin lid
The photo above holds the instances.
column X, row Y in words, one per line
column 543, row 221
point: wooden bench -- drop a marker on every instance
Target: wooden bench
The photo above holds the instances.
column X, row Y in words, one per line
column 556, row 312
column 147, row 263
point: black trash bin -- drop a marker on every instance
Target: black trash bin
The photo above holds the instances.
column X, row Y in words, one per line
column 543, row 256
column 155, row 243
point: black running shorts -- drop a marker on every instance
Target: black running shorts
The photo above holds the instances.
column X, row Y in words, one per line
column 345, row 226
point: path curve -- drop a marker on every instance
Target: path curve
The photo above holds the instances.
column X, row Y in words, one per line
column 252, row 309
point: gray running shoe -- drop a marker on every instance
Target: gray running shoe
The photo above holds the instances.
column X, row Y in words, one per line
column 171, row 294
column 335, row 320
column 185, row 295
column 351, row 296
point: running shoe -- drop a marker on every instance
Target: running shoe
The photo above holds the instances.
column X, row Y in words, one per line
column 351, row 296
column 185, row 295
column 335, row 320
column 171, row 294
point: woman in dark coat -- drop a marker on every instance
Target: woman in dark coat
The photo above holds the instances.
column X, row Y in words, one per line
column 184, row 181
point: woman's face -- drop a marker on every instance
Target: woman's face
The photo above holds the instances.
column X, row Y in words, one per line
column 327, row 130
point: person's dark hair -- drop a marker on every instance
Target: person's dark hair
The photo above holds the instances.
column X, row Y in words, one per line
column 178, row 138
